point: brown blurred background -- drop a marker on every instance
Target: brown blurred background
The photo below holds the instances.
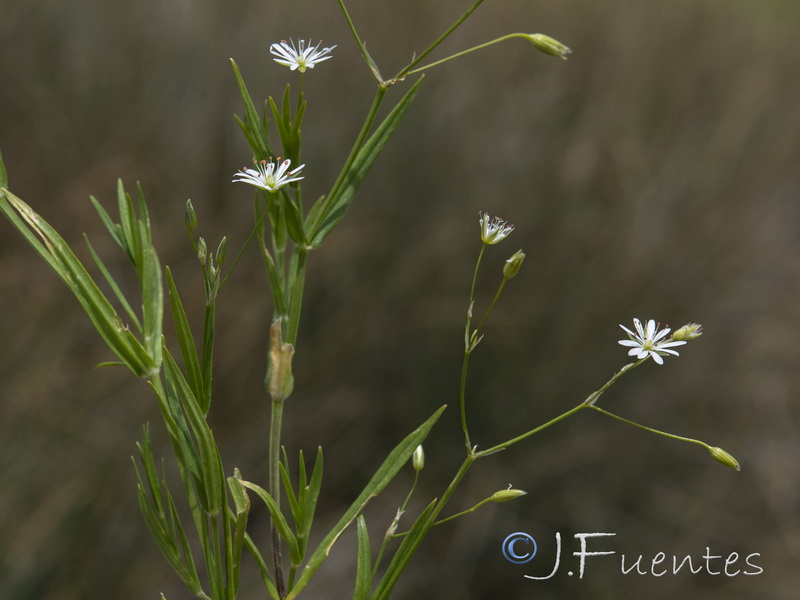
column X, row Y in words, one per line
column 654, row 174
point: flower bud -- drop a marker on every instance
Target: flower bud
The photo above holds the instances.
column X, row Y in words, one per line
column 418, row 459
column 506, row 495
column 726, row 459
column 190, row 217
column 687, row 333
column 202, row 251
column 513, row 264
column 548, row 45
column 222, row 251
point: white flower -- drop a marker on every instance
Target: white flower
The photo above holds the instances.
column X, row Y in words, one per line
column 648, row 342
column 301, row 57
column 265, row 177
column 493, row 231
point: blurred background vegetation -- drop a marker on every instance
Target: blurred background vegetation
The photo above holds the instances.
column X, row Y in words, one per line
column 654, row 174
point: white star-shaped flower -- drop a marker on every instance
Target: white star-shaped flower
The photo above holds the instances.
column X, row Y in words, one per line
column 494, row 230
column 265, row 176
column 649, row 341
column 301, row 57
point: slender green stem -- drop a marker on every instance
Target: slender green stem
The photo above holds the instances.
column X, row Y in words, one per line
column 296, row 302
column 474, row 281
column 451, row 517
column 467, row 51
column 462, row 402
column 595, row 396
column 244, row 247
column 389, row 535
column 231, row 567
column 361, row 46
column 467, row 351
column 491, row 306
column 452, row 487
column 275, row 490
column 650, row 429
column 405, row 71
column 528, row 434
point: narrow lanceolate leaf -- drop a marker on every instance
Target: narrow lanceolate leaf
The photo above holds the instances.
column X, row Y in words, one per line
column 364, row 565
column 3, row 173
column 130, row 228
column 337, row 205
column 211, row 465
column 149, row 269
column 385, row 473
column 186, row 340
column 57, row 253
column 278, row 520
column 113, row 228
column 311, row 494
column 241, row 503
column 258, row 135
column 113, row 285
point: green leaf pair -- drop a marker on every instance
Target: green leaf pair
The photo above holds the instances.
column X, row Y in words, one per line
column 143, row 357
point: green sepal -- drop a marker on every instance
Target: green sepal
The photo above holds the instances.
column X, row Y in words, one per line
column 385, row 473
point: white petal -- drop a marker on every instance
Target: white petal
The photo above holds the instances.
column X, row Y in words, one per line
column 661, row 334
column 657, row 358
column 670, row 344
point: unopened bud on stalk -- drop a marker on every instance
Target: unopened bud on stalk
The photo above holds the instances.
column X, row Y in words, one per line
column 418, row 459
column 506, row 495
column 202, row 251
column 222, row 251
column 548, row 45
column 513, row 264
column 190, row 217
column 726, row 459
column 689, row 332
